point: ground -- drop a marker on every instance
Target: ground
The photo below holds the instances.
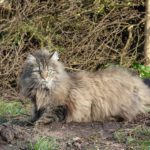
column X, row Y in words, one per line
column 15, row 135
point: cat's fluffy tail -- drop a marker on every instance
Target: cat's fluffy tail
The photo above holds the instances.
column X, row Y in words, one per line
column 145, row 92
column 147, row 82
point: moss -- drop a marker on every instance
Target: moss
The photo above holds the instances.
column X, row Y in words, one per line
column 136, row 138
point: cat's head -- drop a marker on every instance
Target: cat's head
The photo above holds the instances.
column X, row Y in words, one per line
column 44, row 66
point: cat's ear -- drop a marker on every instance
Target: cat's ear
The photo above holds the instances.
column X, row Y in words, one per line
column 55, row 56
column 31, row 58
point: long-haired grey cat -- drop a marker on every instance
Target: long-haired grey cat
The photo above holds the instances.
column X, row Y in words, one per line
column 98, row 96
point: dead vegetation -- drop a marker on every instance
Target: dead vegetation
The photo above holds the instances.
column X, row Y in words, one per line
column 88, row 33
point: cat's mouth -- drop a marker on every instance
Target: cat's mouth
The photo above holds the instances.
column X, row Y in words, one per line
column 44, row 81
column 47, row 83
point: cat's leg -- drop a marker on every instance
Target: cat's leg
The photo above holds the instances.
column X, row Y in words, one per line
column 60, row 112
column 36, row 114
column 78, row 117
column 50, row 115
column 79, row 113
column 45, row 119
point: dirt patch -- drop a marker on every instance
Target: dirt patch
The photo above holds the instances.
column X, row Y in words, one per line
column 71, row 136
column 83, row 135
column 14, row 137
column 75, row 129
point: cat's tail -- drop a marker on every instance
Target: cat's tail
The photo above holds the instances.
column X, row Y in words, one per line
column 141, row 93
column 145, row 92
column 147, row 82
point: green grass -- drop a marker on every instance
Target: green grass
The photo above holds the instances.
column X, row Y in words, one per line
column 44, row 144
column 135, row 138
column 11, row 108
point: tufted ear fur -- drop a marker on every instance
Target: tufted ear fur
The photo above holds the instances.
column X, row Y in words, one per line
column 55, row 56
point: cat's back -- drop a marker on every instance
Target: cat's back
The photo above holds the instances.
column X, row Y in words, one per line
column 106, row 79
column 110, row 74
column 116, row 79
column 117, row 74
column 116, row 71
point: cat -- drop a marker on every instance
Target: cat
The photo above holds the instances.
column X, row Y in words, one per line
column 85, row 96
column 147, row 82
column 35, row 83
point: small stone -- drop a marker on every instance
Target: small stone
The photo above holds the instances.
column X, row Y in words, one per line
column 77, row 143
column 77, row 139
column 7, row 134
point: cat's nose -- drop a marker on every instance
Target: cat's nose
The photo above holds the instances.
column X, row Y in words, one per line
column 44, row 75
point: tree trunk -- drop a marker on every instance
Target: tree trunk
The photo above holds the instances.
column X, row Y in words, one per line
column 147, row 33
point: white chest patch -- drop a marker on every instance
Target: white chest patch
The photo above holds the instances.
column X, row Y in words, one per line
column 49, row 83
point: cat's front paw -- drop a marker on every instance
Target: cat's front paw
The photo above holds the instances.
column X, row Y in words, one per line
column 38, row 123
column 45, row 121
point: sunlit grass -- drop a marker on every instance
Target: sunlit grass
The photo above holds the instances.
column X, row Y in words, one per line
column 44, row 144
column 11, row 108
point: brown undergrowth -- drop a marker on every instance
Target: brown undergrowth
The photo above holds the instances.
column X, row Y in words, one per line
column 88, row 34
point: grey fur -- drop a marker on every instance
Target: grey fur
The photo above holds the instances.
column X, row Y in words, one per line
column 33, row 86
column 88, row 96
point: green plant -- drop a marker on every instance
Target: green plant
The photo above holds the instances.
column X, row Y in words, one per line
column 11, row 109
column 44, row 144
column 142, row 69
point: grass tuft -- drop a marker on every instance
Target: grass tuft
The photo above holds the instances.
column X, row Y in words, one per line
column 11, row 108
column 44, row 144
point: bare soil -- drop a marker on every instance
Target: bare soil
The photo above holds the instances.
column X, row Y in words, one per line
column 72, row 136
